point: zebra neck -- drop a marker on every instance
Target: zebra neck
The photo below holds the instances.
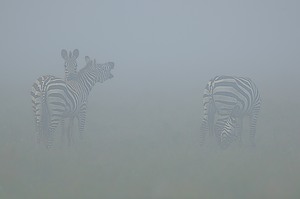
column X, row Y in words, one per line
column 87, row 81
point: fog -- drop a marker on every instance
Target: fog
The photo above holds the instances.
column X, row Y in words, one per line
column 142, row 131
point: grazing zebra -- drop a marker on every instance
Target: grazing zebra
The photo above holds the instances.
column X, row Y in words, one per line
column 230, row 99
column 53, row 99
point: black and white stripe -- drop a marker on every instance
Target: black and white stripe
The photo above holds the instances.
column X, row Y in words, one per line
column 228, row 99
column 53, row 99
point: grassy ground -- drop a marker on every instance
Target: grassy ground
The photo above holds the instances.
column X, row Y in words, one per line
column 149, row 149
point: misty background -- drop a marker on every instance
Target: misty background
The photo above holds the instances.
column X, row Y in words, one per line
column 142, row 129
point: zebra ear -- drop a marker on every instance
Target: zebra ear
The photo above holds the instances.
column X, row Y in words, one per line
column 87, row 59
column 75, row 53
column 95, row 62
column 64, row 54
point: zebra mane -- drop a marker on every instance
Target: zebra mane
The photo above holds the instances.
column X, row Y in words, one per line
column 86, row 68
column 93, row 64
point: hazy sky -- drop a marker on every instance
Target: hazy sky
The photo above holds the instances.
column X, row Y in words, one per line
column 160, row 44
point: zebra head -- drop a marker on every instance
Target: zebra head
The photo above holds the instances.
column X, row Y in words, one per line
column 228, row 134
column 70, row 63
column 101, row 71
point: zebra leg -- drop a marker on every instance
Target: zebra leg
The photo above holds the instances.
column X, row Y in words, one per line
column 239, row 130
column 211, row 117
column 81, row 120
column 63, row 133
column 253, row 122
column 70, row 130
column 38, row 132
column 38, row 127
column 219, row 126
column 203, row 131
column 236, row 114
column 50, row 138
column 50, row 134
column 208, row 121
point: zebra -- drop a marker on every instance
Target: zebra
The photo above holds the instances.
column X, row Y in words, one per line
column 54, row 99
column 230, row 99
column 70, row 67
column 71, row 74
